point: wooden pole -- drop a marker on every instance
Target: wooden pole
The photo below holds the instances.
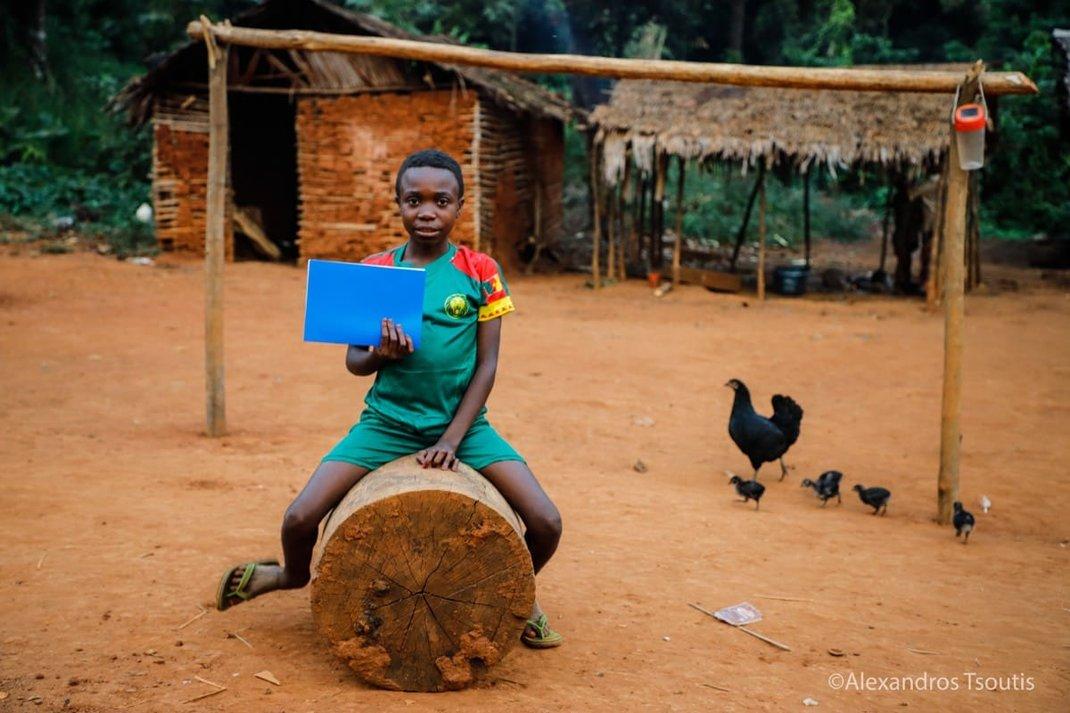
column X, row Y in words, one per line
column 937, row 82
column 742, row 234
column 678, row 243
column 626, row 219
column 610, row 195
column 954, row 311
column 596, row 202
column 215, row 232
column 935, row 281
column 657, row 213
column 884, row 225
column 761, row 236
column 806, row 214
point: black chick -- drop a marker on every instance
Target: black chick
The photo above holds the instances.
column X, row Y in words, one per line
column 876, row 498
column 827, row 486
column 763, row 440
column 748, row 489
column 963, row 522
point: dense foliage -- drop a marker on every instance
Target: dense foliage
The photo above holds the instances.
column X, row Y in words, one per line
column 61, row 153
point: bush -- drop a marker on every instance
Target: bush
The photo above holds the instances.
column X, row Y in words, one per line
column 102, row 206
column 716, row 199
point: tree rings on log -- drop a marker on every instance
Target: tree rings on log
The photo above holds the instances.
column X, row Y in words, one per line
column 422, row 580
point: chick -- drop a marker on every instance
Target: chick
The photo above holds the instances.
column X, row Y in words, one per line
column 827, row 486
column 963, row 522
column 748, row 489
column 876, row 498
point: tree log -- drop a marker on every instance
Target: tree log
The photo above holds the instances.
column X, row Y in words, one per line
column 422, row 580
column 852, row 79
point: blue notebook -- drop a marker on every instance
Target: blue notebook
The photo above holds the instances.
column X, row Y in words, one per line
column 345, row 302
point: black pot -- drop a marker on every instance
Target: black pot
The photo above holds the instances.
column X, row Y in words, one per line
column 791, row 279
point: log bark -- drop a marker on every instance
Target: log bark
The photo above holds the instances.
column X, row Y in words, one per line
column 422, row 580
column 938, row 82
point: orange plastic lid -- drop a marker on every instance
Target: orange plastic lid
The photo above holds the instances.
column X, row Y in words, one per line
column 970, row 117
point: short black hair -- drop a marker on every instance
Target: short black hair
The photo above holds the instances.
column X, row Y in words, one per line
column 430, row 158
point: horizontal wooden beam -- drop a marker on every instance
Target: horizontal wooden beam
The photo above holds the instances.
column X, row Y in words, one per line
column 885, row 80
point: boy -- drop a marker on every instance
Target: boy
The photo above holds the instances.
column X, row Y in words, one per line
column 430, row 401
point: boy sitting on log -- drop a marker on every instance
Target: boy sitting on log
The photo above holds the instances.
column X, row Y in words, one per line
column 430, row 402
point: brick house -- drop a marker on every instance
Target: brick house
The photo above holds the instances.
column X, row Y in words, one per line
column 316, row 137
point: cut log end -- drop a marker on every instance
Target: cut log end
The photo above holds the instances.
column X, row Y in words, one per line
column 423, row 580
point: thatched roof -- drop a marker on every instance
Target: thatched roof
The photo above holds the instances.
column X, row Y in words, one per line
column 801, row 126
column 337, row 72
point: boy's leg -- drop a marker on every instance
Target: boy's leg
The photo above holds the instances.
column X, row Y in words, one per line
column 517, row 484
column 300, row 526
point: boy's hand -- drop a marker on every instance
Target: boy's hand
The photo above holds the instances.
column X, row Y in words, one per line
column 394, row 344
column 441, row 455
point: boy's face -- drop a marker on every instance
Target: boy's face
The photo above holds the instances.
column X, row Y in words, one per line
column 429, row 203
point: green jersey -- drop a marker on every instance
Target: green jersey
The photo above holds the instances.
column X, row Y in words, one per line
column 423, row 390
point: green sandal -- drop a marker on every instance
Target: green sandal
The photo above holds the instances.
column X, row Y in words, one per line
column 223, row 598
column 544, row 638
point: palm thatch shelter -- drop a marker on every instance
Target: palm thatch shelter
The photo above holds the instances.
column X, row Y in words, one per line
column 644, row 123
column 317, row 137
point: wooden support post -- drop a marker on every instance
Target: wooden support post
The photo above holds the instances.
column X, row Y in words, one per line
column 215, row 232
column 657, row 213
column 613, row 234
column 742, row 234
column 761, row 236
column 627, row 228
column 936, row 279
column 884, row 226
column 954, row 311
column 806, row 214
column 678, row 243
column 596, row 202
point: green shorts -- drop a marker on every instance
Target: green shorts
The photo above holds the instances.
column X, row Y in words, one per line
column 374, row 441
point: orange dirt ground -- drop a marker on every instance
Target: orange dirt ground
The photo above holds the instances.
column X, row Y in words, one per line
column 119, row 515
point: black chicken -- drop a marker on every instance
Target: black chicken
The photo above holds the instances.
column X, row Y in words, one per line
column 876, row 498
column 763, row 440
column 748, row 489
column 963, row 522
column 827, row 486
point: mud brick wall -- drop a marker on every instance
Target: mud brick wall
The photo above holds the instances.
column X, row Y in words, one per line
column 349, row 150
column 180, row 176
column 506, row 182
column 548, row 141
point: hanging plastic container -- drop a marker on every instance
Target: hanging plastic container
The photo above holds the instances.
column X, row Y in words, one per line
column 970, row 122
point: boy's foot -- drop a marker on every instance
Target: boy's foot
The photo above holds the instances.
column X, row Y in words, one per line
column 247, row 581
column 538, row 634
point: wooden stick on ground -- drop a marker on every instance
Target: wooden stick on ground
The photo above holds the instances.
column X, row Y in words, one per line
column 192, row 619
column 753, row 633
column 904, row 80
column 204, row 695
column 781, row 599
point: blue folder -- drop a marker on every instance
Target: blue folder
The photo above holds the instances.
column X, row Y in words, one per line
column 345, row 302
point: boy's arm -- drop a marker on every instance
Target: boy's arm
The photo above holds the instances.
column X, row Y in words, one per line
column 444, row 453
column 394, row 344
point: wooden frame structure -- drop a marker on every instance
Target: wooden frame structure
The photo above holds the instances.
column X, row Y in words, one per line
column 217, row 36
